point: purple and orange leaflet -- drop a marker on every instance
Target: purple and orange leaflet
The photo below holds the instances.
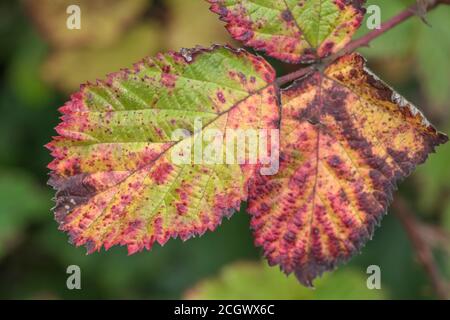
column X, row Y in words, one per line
column 346, row 140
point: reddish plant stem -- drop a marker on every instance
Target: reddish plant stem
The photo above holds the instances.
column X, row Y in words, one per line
column 386, row 26
column 364, row 40
column 436, row 237
column 421, row 248
column 294, row 75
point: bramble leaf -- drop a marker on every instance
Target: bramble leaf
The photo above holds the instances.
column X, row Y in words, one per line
column 292, row 30
column 346, row 139
column 117, row 182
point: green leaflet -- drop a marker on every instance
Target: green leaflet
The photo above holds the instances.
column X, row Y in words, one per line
column 291, row 30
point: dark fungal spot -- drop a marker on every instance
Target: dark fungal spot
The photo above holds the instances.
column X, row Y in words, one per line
column 242, row 77
column 402, row 159
column 343, row 195
column 290, row 236
column 328, row 48
column 161, row 172
column 221, row 97
column 382, row 91
column 353, row 73
column 264, row 207
column 245, row 36
column 136, row 224
column 168, row 80
column 223, row 11
column 334, row 161
column 286, row 15
column 181, row 208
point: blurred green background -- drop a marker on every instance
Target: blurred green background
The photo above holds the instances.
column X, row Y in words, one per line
column 42, row 62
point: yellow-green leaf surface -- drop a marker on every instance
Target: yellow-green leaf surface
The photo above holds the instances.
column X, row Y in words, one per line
column 346, row 140
column 116, row 179
column 252, row 280
column 291, row 30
